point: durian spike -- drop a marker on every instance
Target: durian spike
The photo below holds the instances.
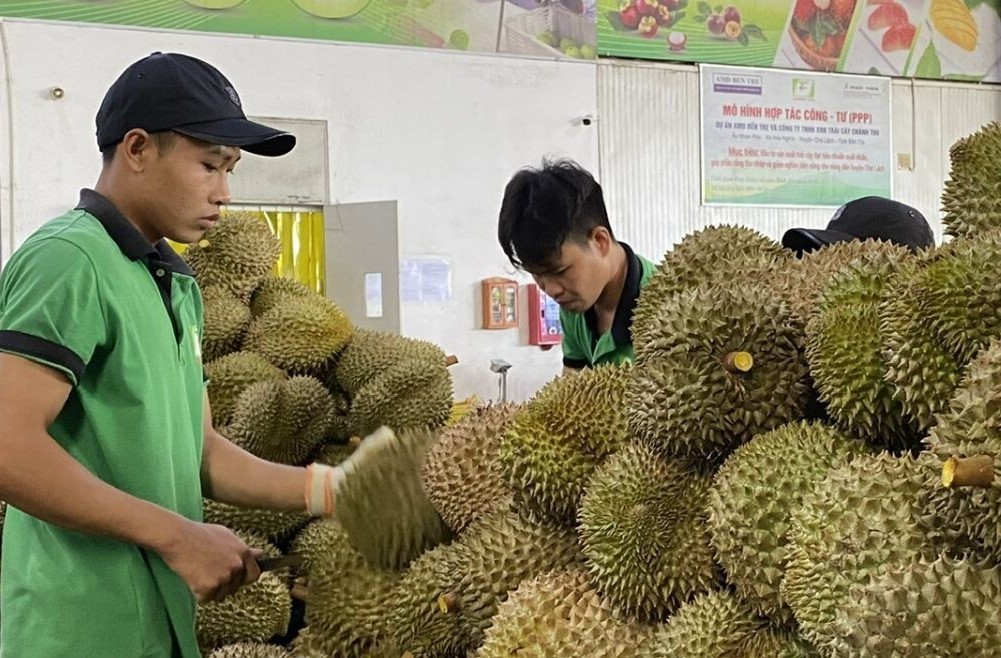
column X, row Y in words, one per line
column 451, row 360
column 975, row 471
column 738, row 362
column 448, row 603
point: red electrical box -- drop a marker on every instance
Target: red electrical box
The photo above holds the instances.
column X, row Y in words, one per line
column 544, row 326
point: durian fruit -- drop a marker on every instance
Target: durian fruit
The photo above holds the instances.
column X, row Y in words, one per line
column 644, row 532
column 347, row 597
column 385, row 511
column 277, row 526
column 947, row 608
column 753, row 500
column 558, row 615
column 921, row 372
column 236, row 253
column 410, row 394
column 557, row 439
column 971, row 201
column 722, row 364
column 369, row 353
column 720, row 625
column 844, row 350
column 230, row 375
column 282, row 421
column 274, row 290
column 256, row 613
column 250, row 650
column 800, row 283
column 445, row 602
column 958, row 294
column 971, row 423
column 462, row 474
column 300, row 334
column 873, row 511
column 226, row 322
column 717, row 255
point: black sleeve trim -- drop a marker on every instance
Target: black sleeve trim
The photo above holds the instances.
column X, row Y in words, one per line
column 43, row 350
column 576, row 364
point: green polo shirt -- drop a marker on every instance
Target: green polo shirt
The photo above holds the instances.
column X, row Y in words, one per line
column 89, row 296
column 583, row 346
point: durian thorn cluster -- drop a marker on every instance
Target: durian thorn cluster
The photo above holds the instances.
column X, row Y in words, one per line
column 738, row 362
column 974, row 471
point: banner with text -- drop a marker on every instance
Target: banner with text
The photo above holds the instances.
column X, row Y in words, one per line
column 781, row 138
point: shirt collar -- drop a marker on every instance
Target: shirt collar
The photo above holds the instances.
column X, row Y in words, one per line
column 128, row 238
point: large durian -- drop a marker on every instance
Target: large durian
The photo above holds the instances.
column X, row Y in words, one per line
column 250, row 650
column 721, row 625
column 410, row 394
column 282, row 421
column 958, row 293
column 557, row 439
column 844, row 349
column 971, row 424
column 462, row 473
column 276, row 525
column 643, row 528
column 226, row 322
column 236, row 253
column 717, row 255
column 385, row 510
column 274, row 290
column 348, row 598
column 445, row 602
column 946, row 608
column 230, row 375
column 753, row 500
column 369, row 353
column 921, row 372
column 560, row 615
column 971, row 201
column 300, row 334
column 256, row 613
column 873, row 511
column 722, row 365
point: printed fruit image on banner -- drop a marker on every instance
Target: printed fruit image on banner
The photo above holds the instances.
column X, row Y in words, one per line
column 691, row 30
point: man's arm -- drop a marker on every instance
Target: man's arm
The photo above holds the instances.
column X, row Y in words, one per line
column 232, row 475
column 40, row 478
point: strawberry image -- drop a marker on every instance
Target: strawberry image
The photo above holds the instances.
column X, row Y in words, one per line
column 804, row 11
column 888, row 15
column 898, row 37
column 842, row 10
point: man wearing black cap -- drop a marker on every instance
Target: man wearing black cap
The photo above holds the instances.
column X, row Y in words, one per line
column 106, row 443
column 867, row 218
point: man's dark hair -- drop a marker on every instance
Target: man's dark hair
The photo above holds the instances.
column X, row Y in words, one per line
column 164, row 141
column 546, row 207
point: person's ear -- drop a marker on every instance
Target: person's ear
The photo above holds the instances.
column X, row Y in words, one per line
column 601, row 240
column 136, row 149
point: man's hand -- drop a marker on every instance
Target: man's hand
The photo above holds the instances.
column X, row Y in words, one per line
column 213, row 561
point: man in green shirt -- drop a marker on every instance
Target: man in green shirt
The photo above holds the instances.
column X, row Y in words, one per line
column 106, row 442
column 553, row 224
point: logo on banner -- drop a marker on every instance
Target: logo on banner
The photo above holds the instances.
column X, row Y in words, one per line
column 803, row 89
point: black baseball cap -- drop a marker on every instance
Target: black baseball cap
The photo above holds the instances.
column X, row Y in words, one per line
column 870, row 217
column 170, row 91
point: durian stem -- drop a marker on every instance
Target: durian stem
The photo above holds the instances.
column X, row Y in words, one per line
column 448, row 603
column 451, row 360
column 975, row 471
column 300, row 592
column 738, row 362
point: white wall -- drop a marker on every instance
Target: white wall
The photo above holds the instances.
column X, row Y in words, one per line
column 649, row 131
column 439, row 132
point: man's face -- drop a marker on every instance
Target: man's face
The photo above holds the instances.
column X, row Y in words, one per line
column 185, row 186
column 575, row 278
